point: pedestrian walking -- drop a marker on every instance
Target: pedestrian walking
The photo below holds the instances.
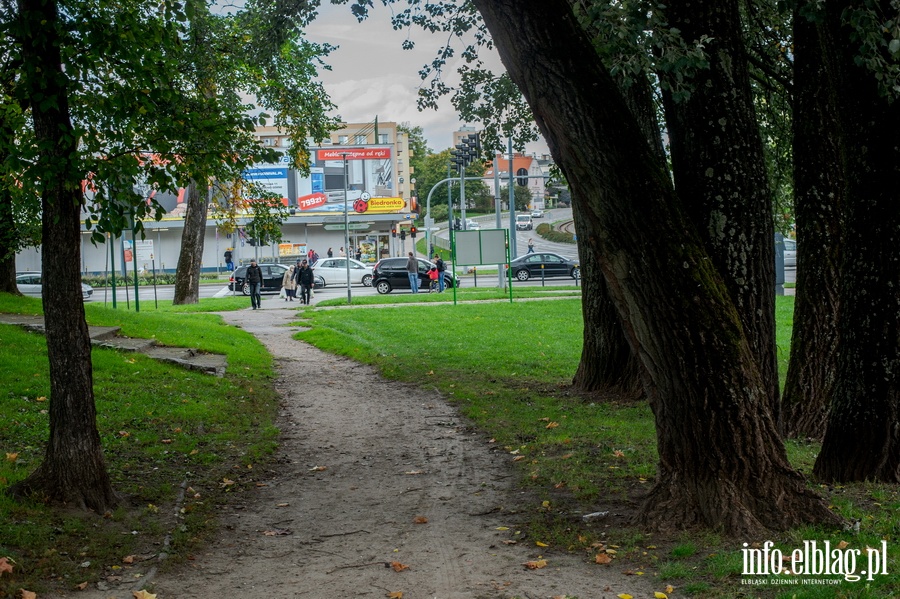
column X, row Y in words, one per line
column 412, row 271
column 229, row 259
column 329, row 253
column 358, row 254
column 433, row 276
column 255, row 279
column 530, row 246
column 341, row 253
column 441, row 267
column 288, row 284
column 305, row 280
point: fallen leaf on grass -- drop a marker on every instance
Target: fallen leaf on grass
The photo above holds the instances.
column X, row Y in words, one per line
column 81, row 586
column 41, row 398
column 128, row 559
column 420, row 520
column 518, row 458
column 842, row 545
column 602, row 558
column 5, row 566
column 142, row 594
column 27, row 594
column 536, row 564
column 398, row 567
column 226, row 482
column 618, row 453
column 12, row 457
column 552, row 425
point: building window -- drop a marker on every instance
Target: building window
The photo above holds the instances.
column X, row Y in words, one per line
column 361, row 139
column 343, row 140
column 383, row 138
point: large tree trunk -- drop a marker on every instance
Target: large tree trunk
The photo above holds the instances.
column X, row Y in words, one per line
column 818, row 189
column 722, row 462
column 720, row 170
column 863, row 437
column 73, row 470
column 7, row 246
column 190, row 260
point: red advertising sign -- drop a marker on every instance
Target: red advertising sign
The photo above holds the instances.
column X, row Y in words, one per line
column 383, row 153
column 311, row 201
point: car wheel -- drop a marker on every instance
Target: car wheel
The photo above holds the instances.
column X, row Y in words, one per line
column 383, row 287
column 522, row 274
column 319, row 281
column 246, row 289
column 367, row 280
column 576, row 273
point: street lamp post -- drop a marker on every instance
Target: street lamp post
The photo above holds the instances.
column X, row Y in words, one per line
column 346, row 232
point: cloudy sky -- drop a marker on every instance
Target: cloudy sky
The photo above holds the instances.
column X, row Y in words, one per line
column 373, row 76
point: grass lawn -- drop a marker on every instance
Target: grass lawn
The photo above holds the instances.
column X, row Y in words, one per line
column 166, row 431
column 506, row 366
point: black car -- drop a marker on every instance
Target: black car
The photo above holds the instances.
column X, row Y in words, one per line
column 390, row 273
column 543, row 264
column 273, row 275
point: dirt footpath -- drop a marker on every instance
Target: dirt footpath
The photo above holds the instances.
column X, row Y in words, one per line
column 378, row 488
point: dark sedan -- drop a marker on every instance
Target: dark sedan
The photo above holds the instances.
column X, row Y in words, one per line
column 544, row 264
column 390, row 273
column 273, row 274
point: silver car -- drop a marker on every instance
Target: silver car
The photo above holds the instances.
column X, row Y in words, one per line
column 29, row 283
column 333, row 271
column 790, row 253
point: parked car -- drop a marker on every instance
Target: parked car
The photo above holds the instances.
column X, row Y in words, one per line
column 334, row 271
column 390, row 274
column 29, row 283
column 544, row 264
column 524, row 222
column 790, row 253
column 273, row 274
column 537, row 213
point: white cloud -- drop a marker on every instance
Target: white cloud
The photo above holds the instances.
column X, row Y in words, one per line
column 373, row 76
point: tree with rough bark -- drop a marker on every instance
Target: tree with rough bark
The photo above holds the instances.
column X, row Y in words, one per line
column 861, row 54
column 722, row 462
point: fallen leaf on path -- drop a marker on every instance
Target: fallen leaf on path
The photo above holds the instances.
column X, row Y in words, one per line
column 539, row 544
column 509, row 542
column 536, row 564
column 142, row 594
column 128, row 559
column 5, row 566
column 420, row 520
column 282, row 505
column 518, row 458
column 395, row 595
column 624, row 596
column 27, row 594
column 502, row 528
column 659, row 595
column 414, row 472
column 602, row 558
column 277, row 532
column 226, row 482
column 398, row 567
column 318, row 468
column 81, row 586
column 670, row 588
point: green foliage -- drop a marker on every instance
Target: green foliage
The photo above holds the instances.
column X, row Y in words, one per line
column 547, row 232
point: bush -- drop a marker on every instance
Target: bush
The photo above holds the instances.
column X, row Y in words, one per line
column 144, row 279
column 551, row 234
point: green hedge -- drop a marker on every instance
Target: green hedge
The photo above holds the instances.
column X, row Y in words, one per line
column 144, row 279
column 551, row 234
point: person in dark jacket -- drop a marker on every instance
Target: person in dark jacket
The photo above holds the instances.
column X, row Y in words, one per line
column 305, row 280
column 229, row 260
column 255, row 279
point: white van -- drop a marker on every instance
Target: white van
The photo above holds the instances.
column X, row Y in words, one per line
column 524, row 222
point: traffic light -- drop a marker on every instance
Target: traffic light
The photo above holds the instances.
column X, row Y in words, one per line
column 402, row 234
column 394, row 232
column 412, row 232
